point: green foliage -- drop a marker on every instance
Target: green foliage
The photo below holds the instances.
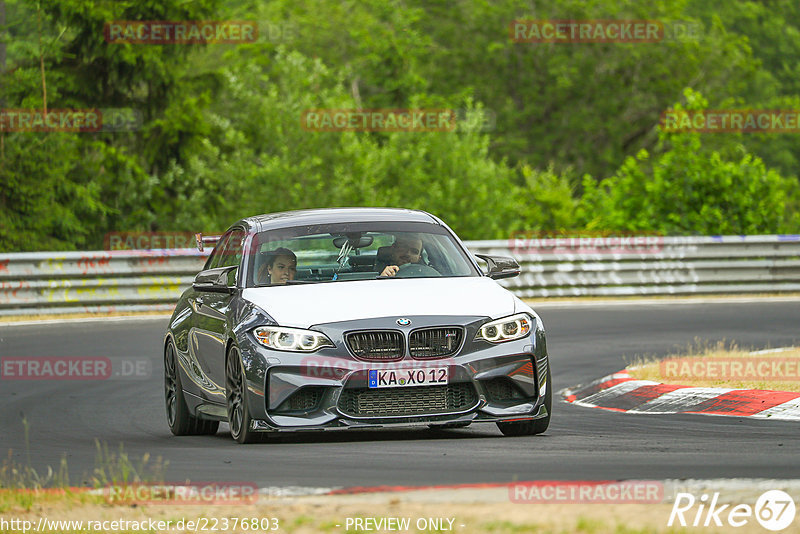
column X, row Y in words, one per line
column 545, row 201
column 689, row 189
column 65, row 190
column 257, row 157
column 772, row 31
column 48, row 198
column 221, row 136
column 580, row 106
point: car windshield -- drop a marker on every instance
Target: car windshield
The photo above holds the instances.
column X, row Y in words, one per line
column 355, row 251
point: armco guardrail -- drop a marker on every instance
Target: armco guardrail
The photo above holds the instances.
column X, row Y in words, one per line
column 117, row 280
column 651, row 265
column 131, row 280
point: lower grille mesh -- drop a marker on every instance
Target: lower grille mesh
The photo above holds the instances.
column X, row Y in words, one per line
column 423, row 400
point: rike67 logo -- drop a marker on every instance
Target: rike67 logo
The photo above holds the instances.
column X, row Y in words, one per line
column 774, row 510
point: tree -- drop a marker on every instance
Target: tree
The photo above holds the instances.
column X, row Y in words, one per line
column 690, row 189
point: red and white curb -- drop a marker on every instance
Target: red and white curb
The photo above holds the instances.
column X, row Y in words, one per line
column 621, row 393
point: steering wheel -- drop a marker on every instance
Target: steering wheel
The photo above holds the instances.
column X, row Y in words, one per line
column 412, row 270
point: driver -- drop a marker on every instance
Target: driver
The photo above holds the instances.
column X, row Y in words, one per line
column 407, row 248
column 280, row 268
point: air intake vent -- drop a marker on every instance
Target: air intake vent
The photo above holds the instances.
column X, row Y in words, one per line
column 305, row 399
column 541, row 371
column 408, row 401
column 502, row 389
column 380, row 346
column 434, row 343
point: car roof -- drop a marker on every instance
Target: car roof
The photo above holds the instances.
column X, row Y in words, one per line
column 285, row 219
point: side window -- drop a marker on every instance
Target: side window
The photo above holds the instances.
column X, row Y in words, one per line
column 228, row 251
column 216, row 254
column 232, row 253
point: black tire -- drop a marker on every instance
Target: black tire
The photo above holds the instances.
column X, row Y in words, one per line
column 536, row 426
column 180, row 421
column 236, row 399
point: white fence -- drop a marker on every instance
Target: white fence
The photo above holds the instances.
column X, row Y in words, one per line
column 134, row 280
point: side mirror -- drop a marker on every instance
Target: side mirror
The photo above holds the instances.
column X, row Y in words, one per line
column 219, row 280
column 500, row 266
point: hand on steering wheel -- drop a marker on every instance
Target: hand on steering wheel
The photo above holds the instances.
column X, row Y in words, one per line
column 414, row 270
column 390, row 270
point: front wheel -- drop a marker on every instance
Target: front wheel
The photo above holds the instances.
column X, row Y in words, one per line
column 236, row 395
column 536, row 426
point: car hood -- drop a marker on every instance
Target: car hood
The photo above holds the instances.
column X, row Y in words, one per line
column 302, row 306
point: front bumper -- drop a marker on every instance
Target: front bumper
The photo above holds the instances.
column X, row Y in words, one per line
column 328, row 390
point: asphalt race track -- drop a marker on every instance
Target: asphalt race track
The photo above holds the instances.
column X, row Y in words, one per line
column 66, row 417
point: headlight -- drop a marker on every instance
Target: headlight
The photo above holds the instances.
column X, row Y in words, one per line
column 291, row 339
column 506, row 329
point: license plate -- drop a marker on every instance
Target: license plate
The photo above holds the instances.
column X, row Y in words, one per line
column 397, row 378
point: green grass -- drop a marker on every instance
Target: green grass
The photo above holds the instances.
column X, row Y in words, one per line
column 14, row 475
column 588, row 525
column 23, row 499
column 22, row 486
column 117, row 468
column 503, row 527
column 650, row 367
column 301, row 520
column 328, row 526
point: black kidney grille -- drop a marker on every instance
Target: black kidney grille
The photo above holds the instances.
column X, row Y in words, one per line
column 376, row 345
column 432, row 343
column 408, row 401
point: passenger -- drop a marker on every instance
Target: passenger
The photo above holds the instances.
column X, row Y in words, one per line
column 281, row 267
column 407, row 248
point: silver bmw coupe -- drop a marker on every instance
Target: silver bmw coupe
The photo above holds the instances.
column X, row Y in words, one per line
column 352, row 318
